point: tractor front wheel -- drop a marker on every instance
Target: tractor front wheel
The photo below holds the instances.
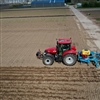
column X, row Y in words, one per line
column 69, row 59
column 47, row 60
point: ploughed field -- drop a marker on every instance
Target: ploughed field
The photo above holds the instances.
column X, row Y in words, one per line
column 23, row 76
column 24, row 31
column 94, row 15
column 49, row 83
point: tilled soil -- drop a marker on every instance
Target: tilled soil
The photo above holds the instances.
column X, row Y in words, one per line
column 22, row 34
column 22, row 37
column 45, row 83
column 94, row 15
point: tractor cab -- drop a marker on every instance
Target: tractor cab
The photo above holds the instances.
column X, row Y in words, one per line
column 63, row 45
column 62, row 52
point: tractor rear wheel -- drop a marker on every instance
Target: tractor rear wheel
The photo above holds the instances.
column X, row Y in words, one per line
column 47, row 60
column 69, row 59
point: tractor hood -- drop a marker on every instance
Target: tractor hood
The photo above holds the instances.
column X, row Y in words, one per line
column 51, row 50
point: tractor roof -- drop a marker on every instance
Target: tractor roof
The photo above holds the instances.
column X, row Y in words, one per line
column 64, row 41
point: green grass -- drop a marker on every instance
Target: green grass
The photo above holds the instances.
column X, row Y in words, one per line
column 98, row 19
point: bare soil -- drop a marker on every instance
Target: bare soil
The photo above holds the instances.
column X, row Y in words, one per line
column 22, row 37
column 37, row 83
column 23, row 76
column 94, row 15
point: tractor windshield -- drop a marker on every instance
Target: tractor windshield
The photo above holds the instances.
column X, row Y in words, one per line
column 62, row 47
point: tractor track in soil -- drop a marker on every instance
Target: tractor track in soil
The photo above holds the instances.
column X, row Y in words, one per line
column 36, row 16
column 41, row 83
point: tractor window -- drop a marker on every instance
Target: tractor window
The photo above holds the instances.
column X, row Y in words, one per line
column 59, row 49
column 62, row 47
column 66, row 47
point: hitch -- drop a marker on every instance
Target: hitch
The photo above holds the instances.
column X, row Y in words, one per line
column 39, row 54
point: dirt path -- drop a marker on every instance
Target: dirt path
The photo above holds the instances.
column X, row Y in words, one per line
column 92, row 29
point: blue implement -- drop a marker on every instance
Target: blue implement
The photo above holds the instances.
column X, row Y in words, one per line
column 94, row 57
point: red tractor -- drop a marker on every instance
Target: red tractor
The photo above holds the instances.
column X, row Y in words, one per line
column 63, row 52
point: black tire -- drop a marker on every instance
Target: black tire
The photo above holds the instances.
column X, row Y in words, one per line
column 70, row 59
column 47, row 60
